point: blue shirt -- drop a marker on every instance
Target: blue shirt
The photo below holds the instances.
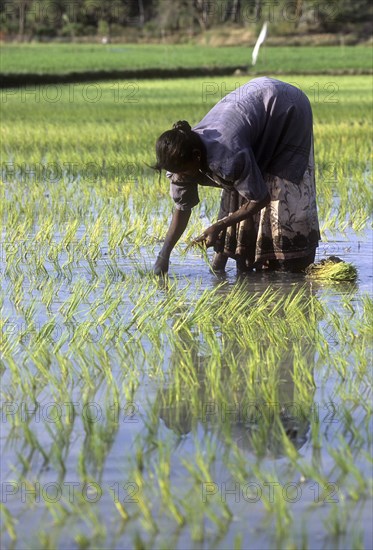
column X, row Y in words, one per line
column 262, row 127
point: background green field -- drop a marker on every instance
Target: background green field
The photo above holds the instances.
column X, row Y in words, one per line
column 84, row 321
column 116, row 124
column 65, row 58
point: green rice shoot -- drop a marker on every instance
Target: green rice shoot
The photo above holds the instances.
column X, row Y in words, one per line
column 203, row 382
column 332, row 269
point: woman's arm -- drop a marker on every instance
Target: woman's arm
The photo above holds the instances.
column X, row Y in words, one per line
column 210, row 234
column 177, row 227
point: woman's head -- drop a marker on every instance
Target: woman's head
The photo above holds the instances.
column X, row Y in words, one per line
column 179, row 150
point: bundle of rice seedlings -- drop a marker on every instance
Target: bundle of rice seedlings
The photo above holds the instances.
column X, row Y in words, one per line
column 198, row 246
column 333, row 269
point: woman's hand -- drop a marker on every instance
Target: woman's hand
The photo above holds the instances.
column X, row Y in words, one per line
column 161, row 265
column 249, row 208
column 209, row 236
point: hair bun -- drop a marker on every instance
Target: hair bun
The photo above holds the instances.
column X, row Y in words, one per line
column 183, row 126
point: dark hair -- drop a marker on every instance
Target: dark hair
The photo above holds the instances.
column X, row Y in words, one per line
column 177, row 147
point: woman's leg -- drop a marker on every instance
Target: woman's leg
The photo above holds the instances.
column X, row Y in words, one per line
column 294, row 265
column 219, row 261
column 246, row 243
column 243, row 265
column 237, row 241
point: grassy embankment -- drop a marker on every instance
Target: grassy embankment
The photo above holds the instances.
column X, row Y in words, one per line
column 65, row 58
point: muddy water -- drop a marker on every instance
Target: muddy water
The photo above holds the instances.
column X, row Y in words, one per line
column 175, row 429
column 350, row 247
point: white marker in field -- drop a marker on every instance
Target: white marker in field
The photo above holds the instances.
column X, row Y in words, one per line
column 259, row 42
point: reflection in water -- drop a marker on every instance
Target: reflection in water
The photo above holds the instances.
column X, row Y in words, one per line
column 247, row 402
column 244, row 415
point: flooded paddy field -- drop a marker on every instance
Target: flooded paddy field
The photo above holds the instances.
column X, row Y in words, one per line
column 202, row 411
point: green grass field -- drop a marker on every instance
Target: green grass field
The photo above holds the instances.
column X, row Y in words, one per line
column 65, row 58
column 96, row 131
column 200, row 412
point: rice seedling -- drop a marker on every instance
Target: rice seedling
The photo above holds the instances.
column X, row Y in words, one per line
column 332, row 269
column 195, row 380
column 8, row 522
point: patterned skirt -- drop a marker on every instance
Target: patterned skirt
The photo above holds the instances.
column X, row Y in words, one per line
column 286, row 229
